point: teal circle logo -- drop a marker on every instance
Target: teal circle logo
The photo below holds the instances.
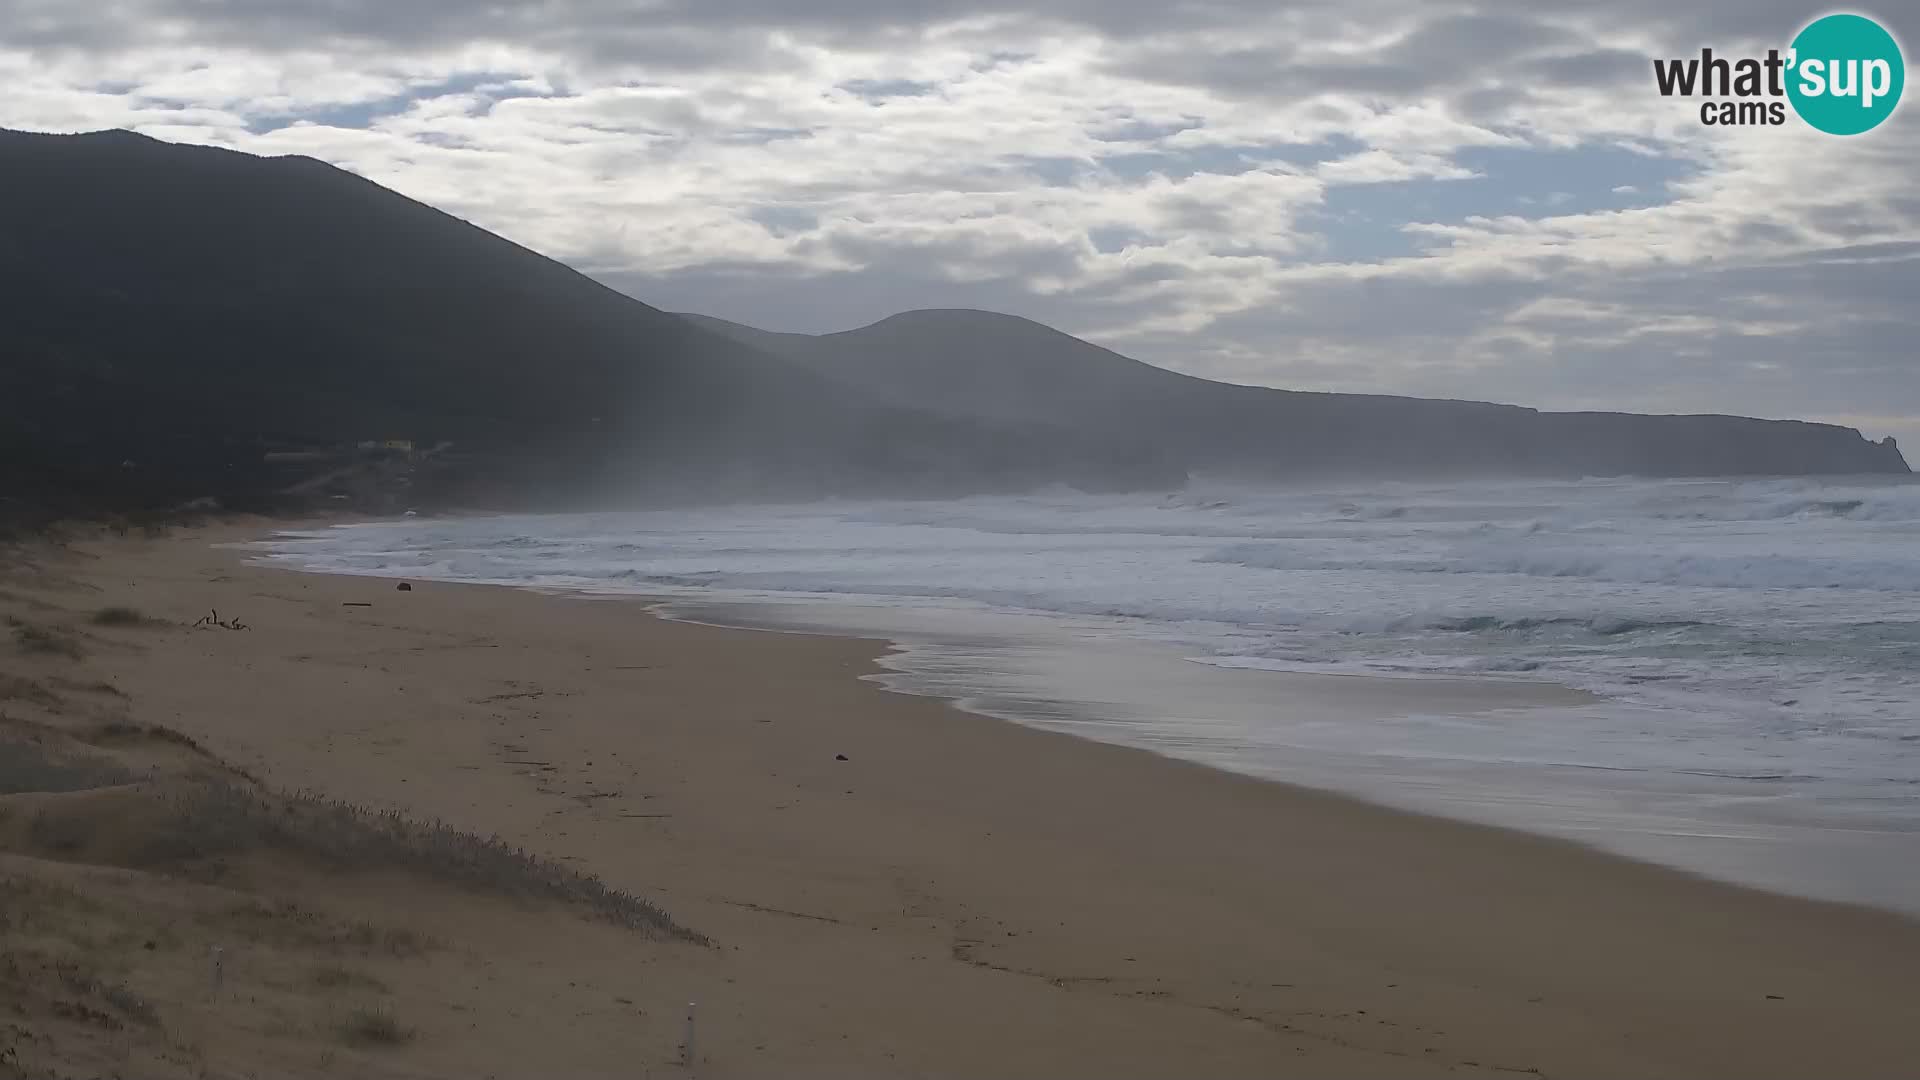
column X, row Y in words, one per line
column 1845, row 74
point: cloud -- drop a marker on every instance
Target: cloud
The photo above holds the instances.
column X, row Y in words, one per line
column 1442, row 198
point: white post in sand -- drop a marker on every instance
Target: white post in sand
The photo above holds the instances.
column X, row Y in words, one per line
column 687, row 1052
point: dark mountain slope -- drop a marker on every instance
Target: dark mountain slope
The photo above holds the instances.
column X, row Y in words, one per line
column 168, row 313
column 981, row 364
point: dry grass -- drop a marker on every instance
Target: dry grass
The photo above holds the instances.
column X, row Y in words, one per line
column 77, row 995
column 206, row 819
column 129, row 1005
column 374, row 1027
column 98, row 686
column 19, row 688
column 70, row 1010
column 125, row 617
column 26, row 902
column 194, row 821
column 338, row 977
column 288, row 925
column 31, row 603
column 45, row 640
column 58, row 834
column 27, row 766
column 393, row 940
column 119, row 731
column 217, row 818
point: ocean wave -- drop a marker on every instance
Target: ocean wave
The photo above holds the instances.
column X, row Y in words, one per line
column 1699, row 570
column 1883, row 505
column 1729, row 571
column 1602, row 625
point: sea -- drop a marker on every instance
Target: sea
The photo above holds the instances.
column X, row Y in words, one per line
column 1718, row 675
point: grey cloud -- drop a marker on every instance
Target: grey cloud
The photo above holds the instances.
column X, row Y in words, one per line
column 891, row 282
column 881, row 89
column 616, row 27
column 1488, row 61
column 1591, row 68
column 1401, row 310
column 1485, row 59
column 1844, row 339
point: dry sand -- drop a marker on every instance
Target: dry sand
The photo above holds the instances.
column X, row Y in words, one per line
column 959, row 897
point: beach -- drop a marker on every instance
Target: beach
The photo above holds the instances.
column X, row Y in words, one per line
column 1714, row 675
column 894, row 887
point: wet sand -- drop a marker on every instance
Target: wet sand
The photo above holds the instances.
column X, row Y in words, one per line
column 1462, row 747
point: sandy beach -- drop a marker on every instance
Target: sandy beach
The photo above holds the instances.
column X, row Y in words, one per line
column 891, row 887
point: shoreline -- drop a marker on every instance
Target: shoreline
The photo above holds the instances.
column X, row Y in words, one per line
column 1081, row 675
column 892, row 879
column 1606, row 811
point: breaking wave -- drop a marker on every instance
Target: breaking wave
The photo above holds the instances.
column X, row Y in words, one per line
column 1705, row 570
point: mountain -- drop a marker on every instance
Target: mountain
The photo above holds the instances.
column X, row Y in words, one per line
column 990, row 366
column 182, row 322
column 171, row 315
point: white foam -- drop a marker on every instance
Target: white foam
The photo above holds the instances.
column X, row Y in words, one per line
column 1749, row 627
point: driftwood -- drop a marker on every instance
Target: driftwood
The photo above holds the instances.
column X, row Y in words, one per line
column 212, row 619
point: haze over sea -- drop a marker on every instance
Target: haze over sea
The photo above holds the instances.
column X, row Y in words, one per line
column 1753, row 647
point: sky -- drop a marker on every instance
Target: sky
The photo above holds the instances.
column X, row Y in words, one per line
column 1442, row 199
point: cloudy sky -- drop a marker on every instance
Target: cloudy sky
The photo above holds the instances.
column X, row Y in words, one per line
column 1449, row 199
